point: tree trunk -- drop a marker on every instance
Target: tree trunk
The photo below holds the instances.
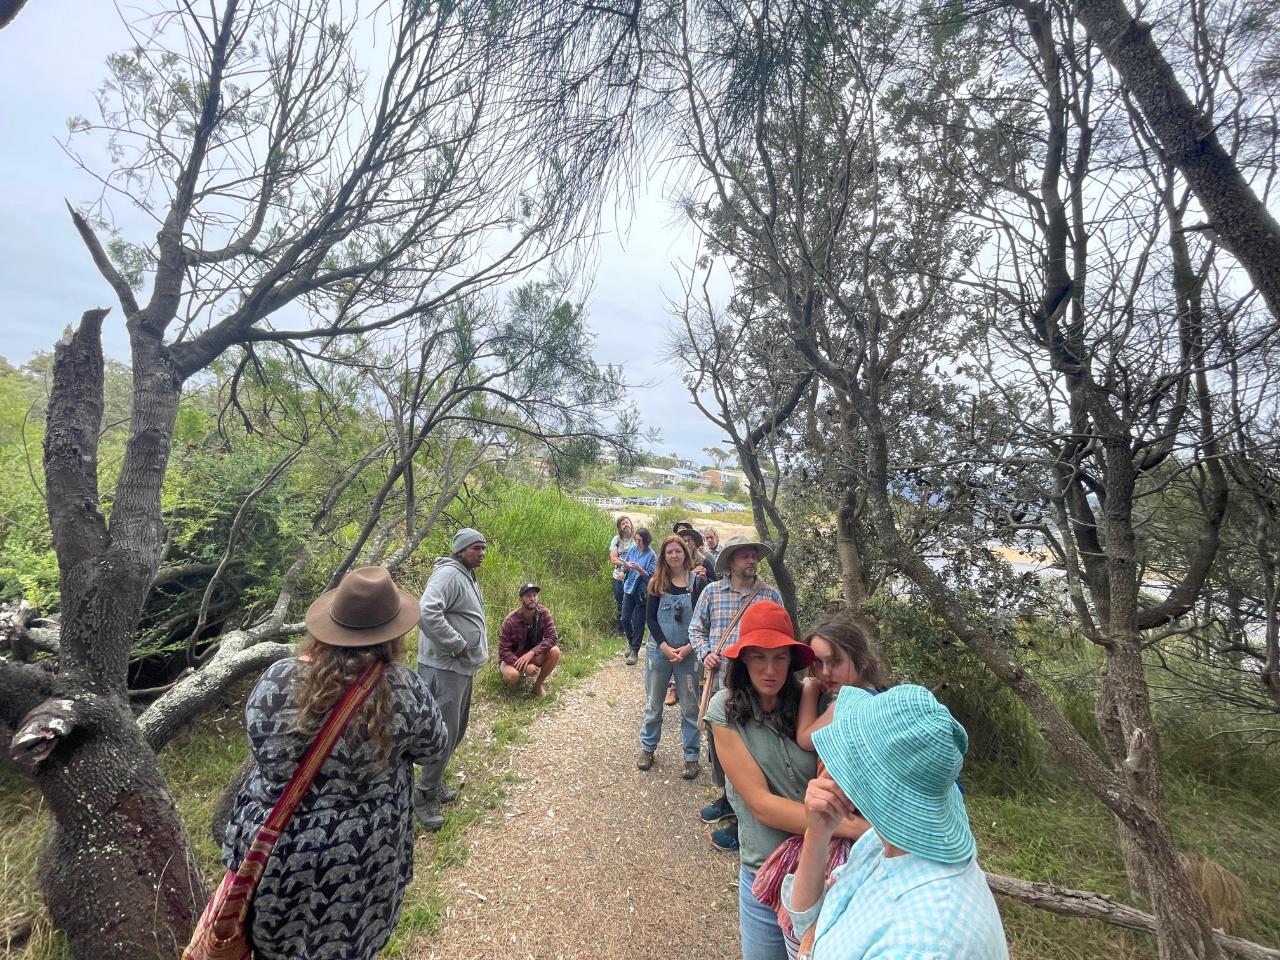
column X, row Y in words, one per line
column 116, row 871
column 1183, row 930
column 1240, row 220
column 853, row 572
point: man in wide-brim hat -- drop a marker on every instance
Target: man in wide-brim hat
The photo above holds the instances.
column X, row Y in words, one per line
column 913, row 880
column 715, row 625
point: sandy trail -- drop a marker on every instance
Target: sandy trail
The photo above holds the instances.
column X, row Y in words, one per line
column 590, row 857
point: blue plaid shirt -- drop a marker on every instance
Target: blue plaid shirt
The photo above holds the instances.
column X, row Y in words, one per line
column 902, row 908
column 718, row 605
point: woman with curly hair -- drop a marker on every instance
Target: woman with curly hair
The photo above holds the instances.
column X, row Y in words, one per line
column 753, row 721
column 335, row 880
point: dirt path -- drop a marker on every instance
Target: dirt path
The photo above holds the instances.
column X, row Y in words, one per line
column 589, row 857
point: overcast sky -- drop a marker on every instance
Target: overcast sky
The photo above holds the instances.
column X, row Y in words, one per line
column 51, row 62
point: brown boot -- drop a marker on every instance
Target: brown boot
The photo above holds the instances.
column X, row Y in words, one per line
column 672, row 697
column 645, row 761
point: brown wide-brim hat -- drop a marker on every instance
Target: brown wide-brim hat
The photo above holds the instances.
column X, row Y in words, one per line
column 733, row 545
column 365, row 609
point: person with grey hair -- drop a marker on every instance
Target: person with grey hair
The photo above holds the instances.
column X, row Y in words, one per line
column 453, row 644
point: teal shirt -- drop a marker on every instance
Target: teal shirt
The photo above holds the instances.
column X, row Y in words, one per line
column 901, row 908
column 787, row 768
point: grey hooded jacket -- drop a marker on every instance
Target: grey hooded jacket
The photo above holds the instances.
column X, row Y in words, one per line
column 452, row 634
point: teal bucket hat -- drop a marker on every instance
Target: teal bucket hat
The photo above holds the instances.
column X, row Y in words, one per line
column 896, row 756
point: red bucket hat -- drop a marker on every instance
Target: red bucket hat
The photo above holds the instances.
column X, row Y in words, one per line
column 767, row 625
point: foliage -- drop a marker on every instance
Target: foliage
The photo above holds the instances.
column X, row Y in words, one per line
column 534, row 534
column 1005, row 749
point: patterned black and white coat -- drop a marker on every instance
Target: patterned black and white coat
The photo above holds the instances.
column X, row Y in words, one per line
column 333, row 887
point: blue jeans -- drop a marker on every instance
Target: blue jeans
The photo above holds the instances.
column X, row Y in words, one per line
column 757, row 924
column 633, row 607
column 659, row 673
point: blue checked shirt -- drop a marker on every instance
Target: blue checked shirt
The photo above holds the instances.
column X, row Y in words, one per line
column 718, row 605
column 902, row 908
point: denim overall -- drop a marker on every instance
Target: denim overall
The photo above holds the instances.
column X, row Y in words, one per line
column 675, row 610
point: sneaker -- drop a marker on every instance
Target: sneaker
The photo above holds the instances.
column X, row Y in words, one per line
column 447, row 795
column 631, row 657
column 428, row 814
column 691, row 770
column 716, row 811
column 726, row 838
column 645, row 761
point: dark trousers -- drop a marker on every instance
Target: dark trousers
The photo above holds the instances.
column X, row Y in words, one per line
column 453, row 696
column 633, row 610
column 618, row 596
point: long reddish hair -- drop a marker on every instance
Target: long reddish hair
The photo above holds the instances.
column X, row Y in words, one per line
column 661, row 578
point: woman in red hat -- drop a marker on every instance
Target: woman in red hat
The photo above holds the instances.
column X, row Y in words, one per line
column 753, row 721
column 335, row 879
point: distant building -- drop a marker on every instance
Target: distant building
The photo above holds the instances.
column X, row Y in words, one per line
column 692, row 475
column 719, row 478
column 659, row 477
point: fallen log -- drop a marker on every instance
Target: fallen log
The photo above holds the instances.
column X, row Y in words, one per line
column 1087, row 905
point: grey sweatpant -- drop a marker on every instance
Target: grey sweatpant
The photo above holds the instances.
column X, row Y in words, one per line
column 453, row 696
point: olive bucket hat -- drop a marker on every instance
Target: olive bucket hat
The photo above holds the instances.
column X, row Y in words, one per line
column 896, row 756
column 366, row 608
column 733, row 545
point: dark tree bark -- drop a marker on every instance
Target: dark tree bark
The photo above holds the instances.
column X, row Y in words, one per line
column 116, row 870
column 8, row 10
column 1236, row 214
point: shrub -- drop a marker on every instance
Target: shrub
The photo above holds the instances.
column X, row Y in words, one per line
column 1005, row 748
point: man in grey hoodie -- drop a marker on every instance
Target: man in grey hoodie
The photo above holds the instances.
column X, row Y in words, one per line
column 453, row 644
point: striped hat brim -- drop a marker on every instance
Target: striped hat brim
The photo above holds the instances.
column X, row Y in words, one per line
column 910, row 807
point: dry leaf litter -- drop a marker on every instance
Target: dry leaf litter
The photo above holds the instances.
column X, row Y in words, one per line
column 590, row 857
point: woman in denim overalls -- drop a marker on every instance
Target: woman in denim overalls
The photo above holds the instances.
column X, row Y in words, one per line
column 673, row 592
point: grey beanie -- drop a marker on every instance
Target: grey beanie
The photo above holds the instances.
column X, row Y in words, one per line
column 465, row 538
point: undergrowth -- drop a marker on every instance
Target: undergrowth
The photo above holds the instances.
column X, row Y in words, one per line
column 1032, row 820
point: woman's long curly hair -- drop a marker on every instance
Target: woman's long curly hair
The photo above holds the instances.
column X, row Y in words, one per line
column 326, row 671
column 744, row 703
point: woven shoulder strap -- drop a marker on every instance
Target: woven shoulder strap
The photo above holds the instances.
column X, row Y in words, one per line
column 722, row 641
column 221, row 931
column 322, row 746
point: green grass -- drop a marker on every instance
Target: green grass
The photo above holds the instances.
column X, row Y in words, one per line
column 533, row 535
column 1036, row 825
column 1056, row 832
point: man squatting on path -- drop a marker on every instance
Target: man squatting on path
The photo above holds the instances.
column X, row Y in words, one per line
column 453, row 645
column 528, row 644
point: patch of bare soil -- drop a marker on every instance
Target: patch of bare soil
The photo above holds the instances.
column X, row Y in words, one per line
column 591, row 857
